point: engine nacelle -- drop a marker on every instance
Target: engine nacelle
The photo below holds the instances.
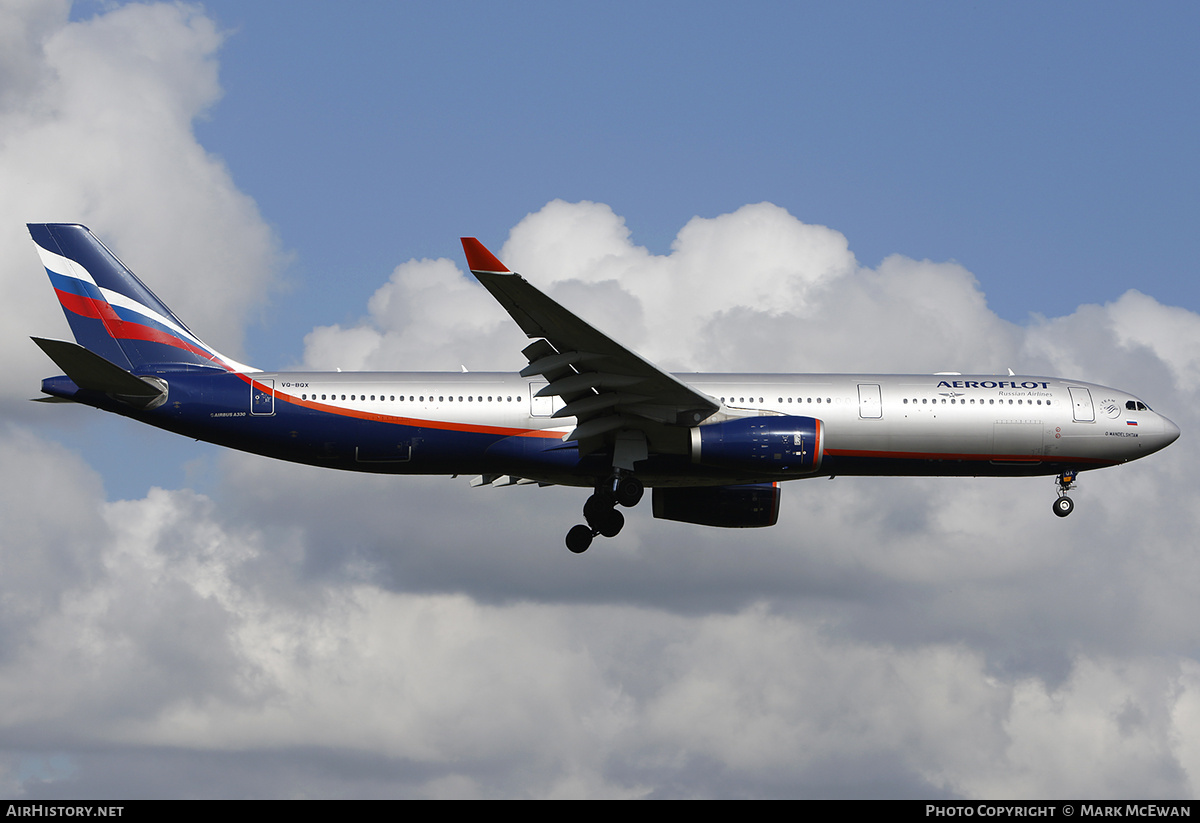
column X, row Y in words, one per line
column 776, row 444
column 730, row 507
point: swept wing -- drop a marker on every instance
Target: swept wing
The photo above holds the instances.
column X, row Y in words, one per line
column 616, row 396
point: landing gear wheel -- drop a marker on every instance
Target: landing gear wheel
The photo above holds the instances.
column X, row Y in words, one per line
column 629, row 491
column 610, row 523
column 579, row 538
column 1064, row 506
column 601, row 513
column 597, row 505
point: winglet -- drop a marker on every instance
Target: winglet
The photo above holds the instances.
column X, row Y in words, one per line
column 480, row 259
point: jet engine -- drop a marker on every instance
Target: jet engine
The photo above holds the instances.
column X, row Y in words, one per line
column 730, row 507
column 776, row 444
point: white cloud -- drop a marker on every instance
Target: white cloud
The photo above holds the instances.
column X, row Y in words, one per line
column 97, row 129
column 171, row 643
column 753, row 290
column 426, row 317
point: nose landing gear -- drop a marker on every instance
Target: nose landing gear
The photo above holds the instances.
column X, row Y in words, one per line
column 601, row 513
column 1065, row 505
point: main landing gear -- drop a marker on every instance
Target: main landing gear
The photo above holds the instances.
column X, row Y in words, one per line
column 600, row 510
column 1065, row 505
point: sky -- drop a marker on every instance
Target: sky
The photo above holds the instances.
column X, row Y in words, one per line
column 777, row 187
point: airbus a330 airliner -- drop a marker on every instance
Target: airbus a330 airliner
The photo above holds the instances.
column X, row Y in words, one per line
column 585, row 411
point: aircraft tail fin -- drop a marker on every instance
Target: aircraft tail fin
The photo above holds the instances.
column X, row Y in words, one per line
column 111, row 313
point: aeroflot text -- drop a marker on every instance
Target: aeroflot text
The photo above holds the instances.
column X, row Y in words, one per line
column 991, row 384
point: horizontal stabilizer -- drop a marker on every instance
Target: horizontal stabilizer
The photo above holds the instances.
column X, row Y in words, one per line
column 94, row 373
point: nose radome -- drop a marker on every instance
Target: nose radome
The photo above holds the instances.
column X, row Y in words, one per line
column 1170, row 432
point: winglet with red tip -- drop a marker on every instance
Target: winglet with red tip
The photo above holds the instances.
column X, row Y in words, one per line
column 480, row 259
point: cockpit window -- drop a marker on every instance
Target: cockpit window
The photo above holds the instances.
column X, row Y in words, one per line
column 1136, row 405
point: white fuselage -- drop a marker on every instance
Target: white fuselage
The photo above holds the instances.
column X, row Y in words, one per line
column 872, row 423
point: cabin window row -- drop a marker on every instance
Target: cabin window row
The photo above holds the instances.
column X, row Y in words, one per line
column 990, row 402
column 781, row 400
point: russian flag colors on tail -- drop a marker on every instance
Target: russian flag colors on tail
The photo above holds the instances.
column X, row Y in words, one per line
column 111, row 312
